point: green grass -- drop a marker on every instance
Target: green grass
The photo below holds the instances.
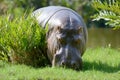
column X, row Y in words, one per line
column 99, row 64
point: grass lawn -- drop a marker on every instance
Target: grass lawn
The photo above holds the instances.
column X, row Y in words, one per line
column 99, row 64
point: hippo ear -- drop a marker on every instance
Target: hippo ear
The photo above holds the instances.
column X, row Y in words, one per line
column 59, row 29
column 80, row 29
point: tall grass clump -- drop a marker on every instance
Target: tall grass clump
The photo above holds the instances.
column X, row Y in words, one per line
column 22, row 40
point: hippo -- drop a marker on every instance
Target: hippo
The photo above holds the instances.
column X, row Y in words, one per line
column 66, row 35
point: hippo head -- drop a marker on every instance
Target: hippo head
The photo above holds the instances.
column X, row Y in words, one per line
column 66, row 42
column 68, row 54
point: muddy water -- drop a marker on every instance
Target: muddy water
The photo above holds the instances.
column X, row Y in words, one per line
column 103, row 37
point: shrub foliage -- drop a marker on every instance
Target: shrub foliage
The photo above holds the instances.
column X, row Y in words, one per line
column 109, row 11
column 22, row 40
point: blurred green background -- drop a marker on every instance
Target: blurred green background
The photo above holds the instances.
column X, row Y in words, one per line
column 18, row 7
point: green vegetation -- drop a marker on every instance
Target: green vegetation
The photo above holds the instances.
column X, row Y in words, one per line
column 99, row 64
column 22, row 40
column 109, row 11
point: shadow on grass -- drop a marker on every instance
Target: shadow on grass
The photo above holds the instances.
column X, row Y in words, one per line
column 99, row 66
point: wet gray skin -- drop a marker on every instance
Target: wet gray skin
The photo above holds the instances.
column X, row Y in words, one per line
column 66, row 36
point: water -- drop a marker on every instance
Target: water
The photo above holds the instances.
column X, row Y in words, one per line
column 103, row 37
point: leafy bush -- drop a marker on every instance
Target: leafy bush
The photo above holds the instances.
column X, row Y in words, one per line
column 109, row 11
column 22, row 40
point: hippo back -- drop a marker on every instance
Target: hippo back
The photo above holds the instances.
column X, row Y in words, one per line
column 43, row 15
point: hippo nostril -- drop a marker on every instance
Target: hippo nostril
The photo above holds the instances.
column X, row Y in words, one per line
column 63, row 63
column 74, row 64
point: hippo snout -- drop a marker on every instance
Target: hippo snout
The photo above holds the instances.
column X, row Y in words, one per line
column 74, row 64
column 68, row 57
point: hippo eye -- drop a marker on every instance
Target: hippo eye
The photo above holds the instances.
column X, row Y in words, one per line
column 61, row 38
column 77, row 39
column 62, row 41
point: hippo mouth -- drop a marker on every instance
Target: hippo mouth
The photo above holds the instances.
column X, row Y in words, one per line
column 70, row 64
column 67, row 59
